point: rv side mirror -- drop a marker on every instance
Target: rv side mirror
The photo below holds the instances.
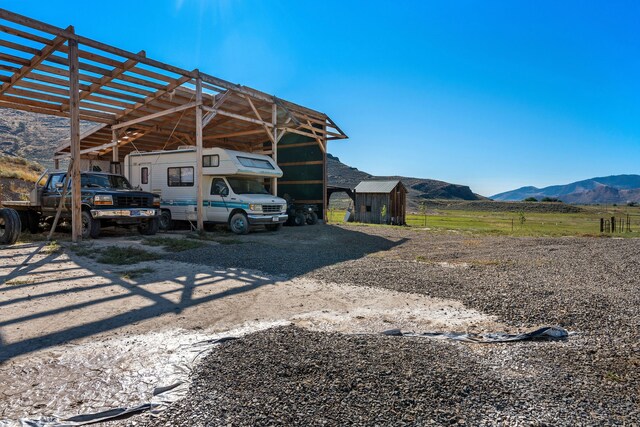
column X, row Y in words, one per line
column 59, row 185
column 224, row 192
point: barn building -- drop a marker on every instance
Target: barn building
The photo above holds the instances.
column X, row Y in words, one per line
column 140, row 104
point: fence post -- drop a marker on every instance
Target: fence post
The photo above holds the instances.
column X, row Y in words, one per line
column 613, row 224
column 602, row 225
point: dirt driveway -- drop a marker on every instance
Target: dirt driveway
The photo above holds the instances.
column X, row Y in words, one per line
column 79, row 335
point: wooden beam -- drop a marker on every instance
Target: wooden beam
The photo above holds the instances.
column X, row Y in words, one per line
column 312, row 181
column 115, row 73
column 255, row 111
column 238, row 116
column 154, row 116
column 199, row 196
column 233, row 134
column 74, row 109
column 37, row 60
column 311, row 162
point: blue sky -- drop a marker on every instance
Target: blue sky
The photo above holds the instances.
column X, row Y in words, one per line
column 494, row 95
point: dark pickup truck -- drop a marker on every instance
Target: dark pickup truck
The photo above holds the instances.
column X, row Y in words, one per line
column 107, row 199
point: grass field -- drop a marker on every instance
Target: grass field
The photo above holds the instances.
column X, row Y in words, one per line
column 586, row 223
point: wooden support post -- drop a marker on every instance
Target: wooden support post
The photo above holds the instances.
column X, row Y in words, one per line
column 74, row 110
column 274, row 145
column 613, row 224
column 56, row 164
column 602, row 225
column 114, row 141
column 325, row 202
column 199, row 198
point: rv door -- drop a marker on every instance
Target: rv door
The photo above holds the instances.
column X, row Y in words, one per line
column 141, row 177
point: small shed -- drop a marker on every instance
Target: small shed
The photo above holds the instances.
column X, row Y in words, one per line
column 381, row 202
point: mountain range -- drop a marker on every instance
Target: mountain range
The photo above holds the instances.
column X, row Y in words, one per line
column 608, row 189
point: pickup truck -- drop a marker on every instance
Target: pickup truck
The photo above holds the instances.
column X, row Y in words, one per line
column 107, row 199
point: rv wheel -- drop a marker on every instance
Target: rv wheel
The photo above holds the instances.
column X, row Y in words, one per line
column 10, row 226
column 239, row 223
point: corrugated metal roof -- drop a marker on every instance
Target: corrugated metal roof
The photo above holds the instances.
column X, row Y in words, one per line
column 376, row 186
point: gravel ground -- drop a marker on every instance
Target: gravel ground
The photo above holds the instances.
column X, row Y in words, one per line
column 288, row 376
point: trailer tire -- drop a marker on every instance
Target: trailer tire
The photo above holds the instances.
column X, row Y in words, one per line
column 149, row 227
column 90, row 226
column 10, row 226
column 165, row 220
column 299, row 219
column 239, row 223
column 312, row 219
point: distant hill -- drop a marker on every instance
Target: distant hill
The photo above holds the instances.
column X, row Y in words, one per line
column 33, row 136
column 609, row 189
column 342, row 175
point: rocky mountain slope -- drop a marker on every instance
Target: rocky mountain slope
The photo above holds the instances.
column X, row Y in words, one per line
column 608, row 189
column 342, row 175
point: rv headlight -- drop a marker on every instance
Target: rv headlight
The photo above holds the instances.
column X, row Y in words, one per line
column 102, row 199
column 255, row 208
column 283, row 208
column 156, row 201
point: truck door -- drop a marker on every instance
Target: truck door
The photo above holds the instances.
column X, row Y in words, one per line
column 52, row 193
column 218, row 210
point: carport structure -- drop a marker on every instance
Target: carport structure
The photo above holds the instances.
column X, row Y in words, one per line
column 139, row 104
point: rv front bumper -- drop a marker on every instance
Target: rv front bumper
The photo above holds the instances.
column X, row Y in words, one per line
column 255, row 219
column 124, row 213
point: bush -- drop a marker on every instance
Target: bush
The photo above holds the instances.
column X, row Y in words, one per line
column 530, row 199
column 551, row 199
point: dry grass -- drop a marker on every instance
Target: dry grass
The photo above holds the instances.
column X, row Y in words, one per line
column 19, row 168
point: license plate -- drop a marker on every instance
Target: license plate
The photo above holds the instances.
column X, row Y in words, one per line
column 274, row 219
column 135, row 213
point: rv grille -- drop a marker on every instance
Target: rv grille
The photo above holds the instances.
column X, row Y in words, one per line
column 134, row 201
column 270, row 208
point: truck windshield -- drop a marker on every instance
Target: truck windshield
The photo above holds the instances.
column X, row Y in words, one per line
column 105, row 181
column 247, row 186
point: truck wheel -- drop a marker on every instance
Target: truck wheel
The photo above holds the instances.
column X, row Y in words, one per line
column 273, row 227
column 33, row 222
column 149, row 227
column 239, row 223
column 312, row 219
column 10, row 226
column 165, row 221
column 299, row 219
column 90, row 226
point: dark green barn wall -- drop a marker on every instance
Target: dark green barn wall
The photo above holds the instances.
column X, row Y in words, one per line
column 302, row 163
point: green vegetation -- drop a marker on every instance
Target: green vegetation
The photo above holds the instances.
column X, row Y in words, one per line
column 530, row 199
column 216, row 237
column 52, row 247
column 173, row 244
column 125, row 256
column 134, row 274
column 586, row 223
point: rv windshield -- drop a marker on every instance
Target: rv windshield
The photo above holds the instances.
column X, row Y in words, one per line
column 247, row 186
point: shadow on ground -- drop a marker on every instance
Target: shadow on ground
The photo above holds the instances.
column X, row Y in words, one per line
column 82, row 288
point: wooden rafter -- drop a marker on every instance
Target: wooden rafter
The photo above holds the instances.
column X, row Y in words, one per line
column 36, row 60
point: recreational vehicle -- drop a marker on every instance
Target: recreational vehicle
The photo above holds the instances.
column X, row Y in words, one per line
column 233, row 190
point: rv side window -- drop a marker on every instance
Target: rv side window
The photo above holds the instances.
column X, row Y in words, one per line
column 212, row 160
column 180, row 177
column 218, row 186
column 255, row 163
column 144, row 175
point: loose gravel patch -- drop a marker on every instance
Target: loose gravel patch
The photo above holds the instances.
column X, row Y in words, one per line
column 291, row 376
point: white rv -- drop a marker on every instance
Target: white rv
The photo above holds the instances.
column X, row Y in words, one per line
column 232, row 186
